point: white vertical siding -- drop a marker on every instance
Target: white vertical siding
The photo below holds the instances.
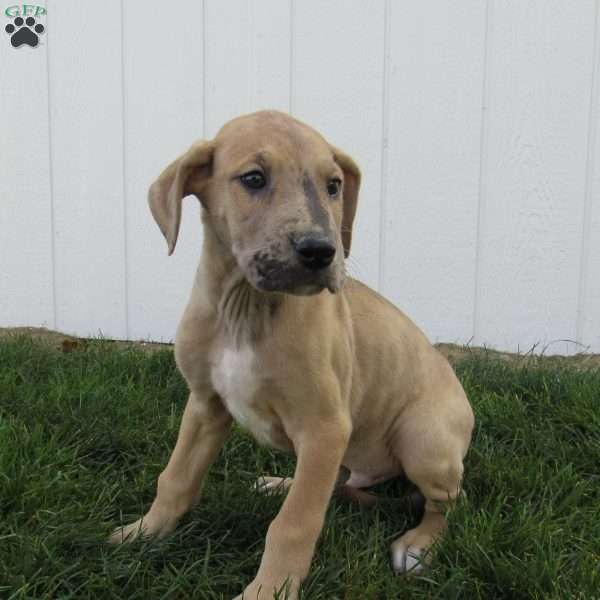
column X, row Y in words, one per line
column 476, row 125
column 247, row 58
column 163, row 85
column 588, row 324
column 540, row 65
column 26, row 244
column 84, row 66
column 433, row 163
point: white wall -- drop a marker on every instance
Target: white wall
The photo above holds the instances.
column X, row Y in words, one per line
column 476, row 124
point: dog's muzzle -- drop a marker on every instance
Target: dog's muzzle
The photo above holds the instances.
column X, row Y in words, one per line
column 306, row 270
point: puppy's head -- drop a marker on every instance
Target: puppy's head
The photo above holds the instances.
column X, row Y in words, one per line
column 276, row 194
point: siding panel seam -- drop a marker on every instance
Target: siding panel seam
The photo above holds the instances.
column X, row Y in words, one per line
column 385, row 91
column 51, row 179
column 589, row 182
column 124, row 175
column 483, row 155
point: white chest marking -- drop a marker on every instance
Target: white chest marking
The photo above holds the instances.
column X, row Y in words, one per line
column 237, row 381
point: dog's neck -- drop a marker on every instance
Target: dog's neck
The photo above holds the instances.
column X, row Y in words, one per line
column 245, row 313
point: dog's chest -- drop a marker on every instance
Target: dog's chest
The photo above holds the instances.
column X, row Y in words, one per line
column 236, row 379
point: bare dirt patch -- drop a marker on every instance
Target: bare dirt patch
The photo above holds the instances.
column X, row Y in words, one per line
column 454, row 352
column 68, row 343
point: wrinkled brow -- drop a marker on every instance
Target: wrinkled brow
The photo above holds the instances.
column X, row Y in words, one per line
column 262, row 158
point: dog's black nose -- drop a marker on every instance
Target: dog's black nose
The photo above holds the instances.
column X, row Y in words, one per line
column 314, row 252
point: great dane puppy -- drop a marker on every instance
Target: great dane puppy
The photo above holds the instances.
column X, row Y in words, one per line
column 277, row 337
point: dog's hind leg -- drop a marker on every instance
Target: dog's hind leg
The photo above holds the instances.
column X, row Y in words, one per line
column 431, row 452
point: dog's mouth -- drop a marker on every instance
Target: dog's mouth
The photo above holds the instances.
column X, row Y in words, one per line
column 272, row 275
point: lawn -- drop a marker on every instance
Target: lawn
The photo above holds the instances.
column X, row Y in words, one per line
column 85, row 433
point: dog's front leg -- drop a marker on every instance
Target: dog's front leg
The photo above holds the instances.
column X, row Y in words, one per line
column 293, row 534
column 204, row 427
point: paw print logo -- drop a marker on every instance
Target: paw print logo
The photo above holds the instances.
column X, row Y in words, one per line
column 24, row 32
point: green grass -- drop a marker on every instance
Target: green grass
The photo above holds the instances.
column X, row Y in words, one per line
column 84, row 435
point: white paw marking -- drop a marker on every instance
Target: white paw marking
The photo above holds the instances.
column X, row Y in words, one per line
column 272, row 485
column 406, row 560
column 127, row 533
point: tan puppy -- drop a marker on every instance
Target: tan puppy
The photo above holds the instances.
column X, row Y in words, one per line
column 311, row 362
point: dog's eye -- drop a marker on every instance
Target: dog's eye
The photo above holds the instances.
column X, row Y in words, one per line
column 333, row 187
column 254, row 180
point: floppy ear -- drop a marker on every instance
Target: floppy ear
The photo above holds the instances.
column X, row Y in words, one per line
column 167, row 192
column 350, row 195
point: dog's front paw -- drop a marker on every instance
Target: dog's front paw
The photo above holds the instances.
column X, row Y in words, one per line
column 285, row 589
column 146, row 527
